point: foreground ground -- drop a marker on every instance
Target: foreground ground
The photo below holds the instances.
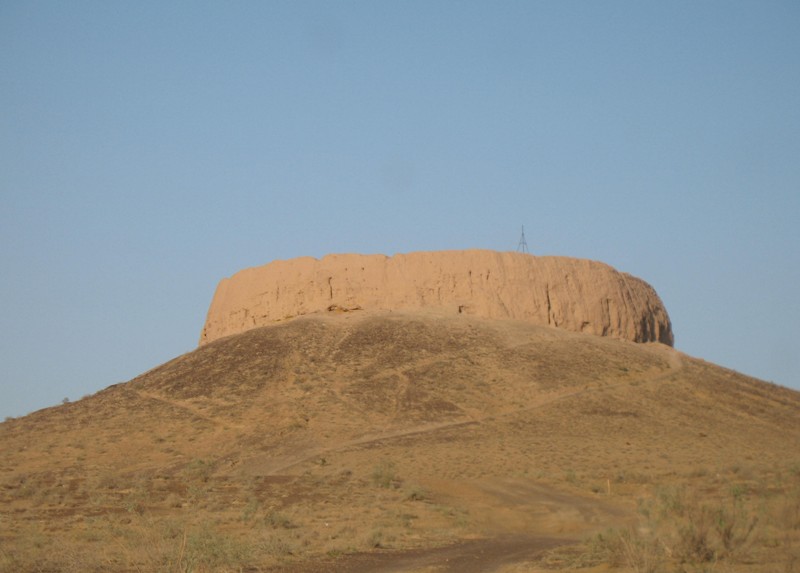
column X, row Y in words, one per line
column 392, row 442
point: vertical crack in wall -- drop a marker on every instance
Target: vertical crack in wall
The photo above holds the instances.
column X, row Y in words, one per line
column 547, row 296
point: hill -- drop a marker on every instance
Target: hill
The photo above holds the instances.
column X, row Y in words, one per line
column 409, row 441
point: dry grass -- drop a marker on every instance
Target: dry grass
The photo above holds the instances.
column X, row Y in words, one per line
column 325, row 438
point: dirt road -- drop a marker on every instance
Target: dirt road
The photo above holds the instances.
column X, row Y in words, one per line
column 471, row 556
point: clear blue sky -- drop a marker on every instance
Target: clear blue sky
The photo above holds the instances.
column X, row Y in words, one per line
column 148, row 149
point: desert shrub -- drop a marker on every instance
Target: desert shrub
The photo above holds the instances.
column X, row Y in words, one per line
column 707, row 532
column 672, row 501
column 250, row 510
column 209, row 550
column 676, row 525
column 571, row 477
column 416, row 493
column 374, row 539
column 385, row 475
column 276, row 546
column 791, row 509
column 277, row 520
column 642, row 553
column 199, row 469
column 634, row 549
column 173, row 546
column 734, row 526
column 692, row 543
column 603, row 548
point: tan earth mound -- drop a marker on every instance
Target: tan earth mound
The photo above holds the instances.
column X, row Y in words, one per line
column 413, row 442
column 574, row 294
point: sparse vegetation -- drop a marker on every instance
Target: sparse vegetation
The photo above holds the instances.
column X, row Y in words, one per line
column 385, row 475
column 694, row 528
column 221, row 461
column 276, row 520
column 375, row 538
column 416, row 493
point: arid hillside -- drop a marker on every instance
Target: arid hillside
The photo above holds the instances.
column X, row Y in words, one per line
column 409, row 441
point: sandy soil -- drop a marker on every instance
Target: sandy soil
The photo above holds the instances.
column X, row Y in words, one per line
column 407, row 442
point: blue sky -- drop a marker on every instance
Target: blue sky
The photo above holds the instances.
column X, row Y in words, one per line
column 148, row 149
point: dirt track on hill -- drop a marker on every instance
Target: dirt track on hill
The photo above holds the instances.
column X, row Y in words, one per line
column 281, row 465
column 472, row 556
column 485, row 555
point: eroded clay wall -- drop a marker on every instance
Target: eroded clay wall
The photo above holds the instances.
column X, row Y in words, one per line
column 574, row 294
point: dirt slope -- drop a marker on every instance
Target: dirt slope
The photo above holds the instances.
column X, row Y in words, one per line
column 384, row 442
column 574, row 294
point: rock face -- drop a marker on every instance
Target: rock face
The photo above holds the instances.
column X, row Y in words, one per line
column 573, row 294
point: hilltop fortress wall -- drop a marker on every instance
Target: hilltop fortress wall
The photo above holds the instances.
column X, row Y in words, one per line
column 574, row 294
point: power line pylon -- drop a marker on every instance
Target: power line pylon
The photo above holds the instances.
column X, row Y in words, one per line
column 522, row 247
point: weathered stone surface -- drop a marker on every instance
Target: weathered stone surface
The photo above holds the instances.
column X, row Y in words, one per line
column 574, row 294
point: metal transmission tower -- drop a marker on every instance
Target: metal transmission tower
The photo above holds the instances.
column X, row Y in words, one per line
column 522, row 247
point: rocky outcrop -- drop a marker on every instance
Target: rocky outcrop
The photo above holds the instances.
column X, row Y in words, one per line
column 574, row 294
